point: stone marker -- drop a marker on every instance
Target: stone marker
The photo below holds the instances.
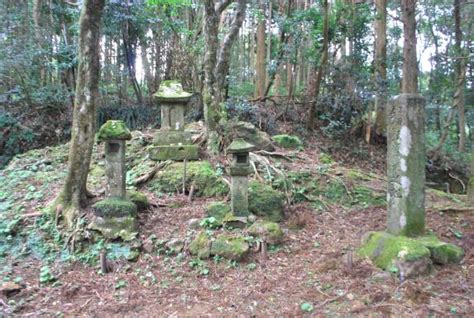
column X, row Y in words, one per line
column 406, row 165
column 115, row 216
column 171, row 142
column 239, row 170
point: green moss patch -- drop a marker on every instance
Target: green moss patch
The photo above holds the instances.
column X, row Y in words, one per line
column 200, row 246
column 178, row 153
column 113, row 207
column 385, row 249
column 140, row 199
column 411, row 255
column 265, row 202
column 218, row 210
column 207, row 182
column 269, row 231
column 287, row 141
column 114, row 129
column 230, row 247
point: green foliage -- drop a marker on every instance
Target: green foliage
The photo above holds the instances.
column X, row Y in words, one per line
column 46, row 276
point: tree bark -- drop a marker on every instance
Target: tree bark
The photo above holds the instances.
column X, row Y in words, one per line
column 260, row 66
column 380, row 65
column 321, row 68
column 73, row 195
column 410, row 66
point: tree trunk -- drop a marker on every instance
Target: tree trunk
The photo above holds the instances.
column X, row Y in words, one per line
column 380, row 65
column 470, row 186
column 321, row 68
column 74, row 192
column 260, row 66
column 410, row 66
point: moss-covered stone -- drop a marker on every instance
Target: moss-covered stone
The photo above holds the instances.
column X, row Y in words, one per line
column 200, row 246
column 441, row 252
column 177, row 153
column 287, row 141
column 124, row 227
column 230, row 247
column 232, row 221
column 114, row 129
column 171, row 89
column 269, row 231
column 218, row 210
column 200, row 173
column 265, row 202
column 113, row 207
column 140, row 199
column 247, row 131
column 399, row 253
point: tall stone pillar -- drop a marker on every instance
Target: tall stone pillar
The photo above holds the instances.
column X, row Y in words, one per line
column 115, row 168
column 406, row 159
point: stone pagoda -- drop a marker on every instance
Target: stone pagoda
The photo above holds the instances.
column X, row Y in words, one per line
column 171, row 142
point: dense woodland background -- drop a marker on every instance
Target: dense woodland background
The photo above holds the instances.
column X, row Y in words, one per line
column 325, row 64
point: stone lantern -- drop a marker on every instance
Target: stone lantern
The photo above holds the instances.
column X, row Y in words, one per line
column 239, row 170
column 115, row 216
column 171, row 142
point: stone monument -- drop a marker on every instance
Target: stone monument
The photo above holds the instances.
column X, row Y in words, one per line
column 239, row 171
column 115, row 216
column 171, row 142
column 406, row 161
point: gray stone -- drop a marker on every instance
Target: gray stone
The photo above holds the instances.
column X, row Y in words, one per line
column 406, row 164
column 239, row 196
column 164, row 138
column 115, row 168
column 176, row 153
column 194, row 224
column 175, row 245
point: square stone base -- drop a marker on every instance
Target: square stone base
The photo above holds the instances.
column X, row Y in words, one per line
column 124, row 227
column 177, row 153
column 172, row 137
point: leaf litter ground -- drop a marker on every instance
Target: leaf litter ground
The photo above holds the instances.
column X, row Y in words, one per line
column 311, row 267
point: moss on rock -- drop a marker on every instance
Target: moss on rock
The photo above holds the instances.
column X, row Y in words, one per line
column 200, row 173
column 287, row 141
column 115, row 227
column 325, row 158
column 230, row 247
column 178, row 153
column 265, row 202
column 441, row 252
column 218, row 210
column 114, row 129
column 269, row 231
column 200, row 246
column 113, row 207
column 391, row 252
column 140, row 199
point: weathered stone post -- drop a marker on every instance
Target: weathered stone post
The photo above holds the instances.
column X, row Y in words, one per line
column 115, row 216
column 171, row 142
column 239, row 171
column 406, row 161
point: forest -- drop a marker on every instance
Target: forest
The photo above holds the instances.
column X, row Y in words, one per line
column 236, row 158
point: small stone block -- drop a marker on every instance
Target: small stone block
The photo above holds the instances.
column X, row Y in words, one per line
column 239, row 170
column 172, row 137
column 115, row 227
column 177, row 153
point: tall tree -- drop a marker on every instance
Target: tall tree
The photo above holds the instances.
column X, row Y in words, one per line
column 73, row 195
column 260, row 66
column 380, row 61
column 216, row 59
column 315, row 86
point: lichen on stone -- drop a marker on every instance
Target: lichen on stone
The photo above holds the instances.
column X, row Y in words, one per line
column 265, row 202
column 114, row 130
column 171, row 89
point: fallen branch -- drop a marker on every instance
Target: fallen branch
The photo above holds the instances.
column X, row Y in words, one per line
column 150, row 174
column 276, row 154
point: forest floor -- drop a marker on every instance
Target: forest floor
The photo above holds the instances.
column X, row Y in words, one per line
column 309, row 268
